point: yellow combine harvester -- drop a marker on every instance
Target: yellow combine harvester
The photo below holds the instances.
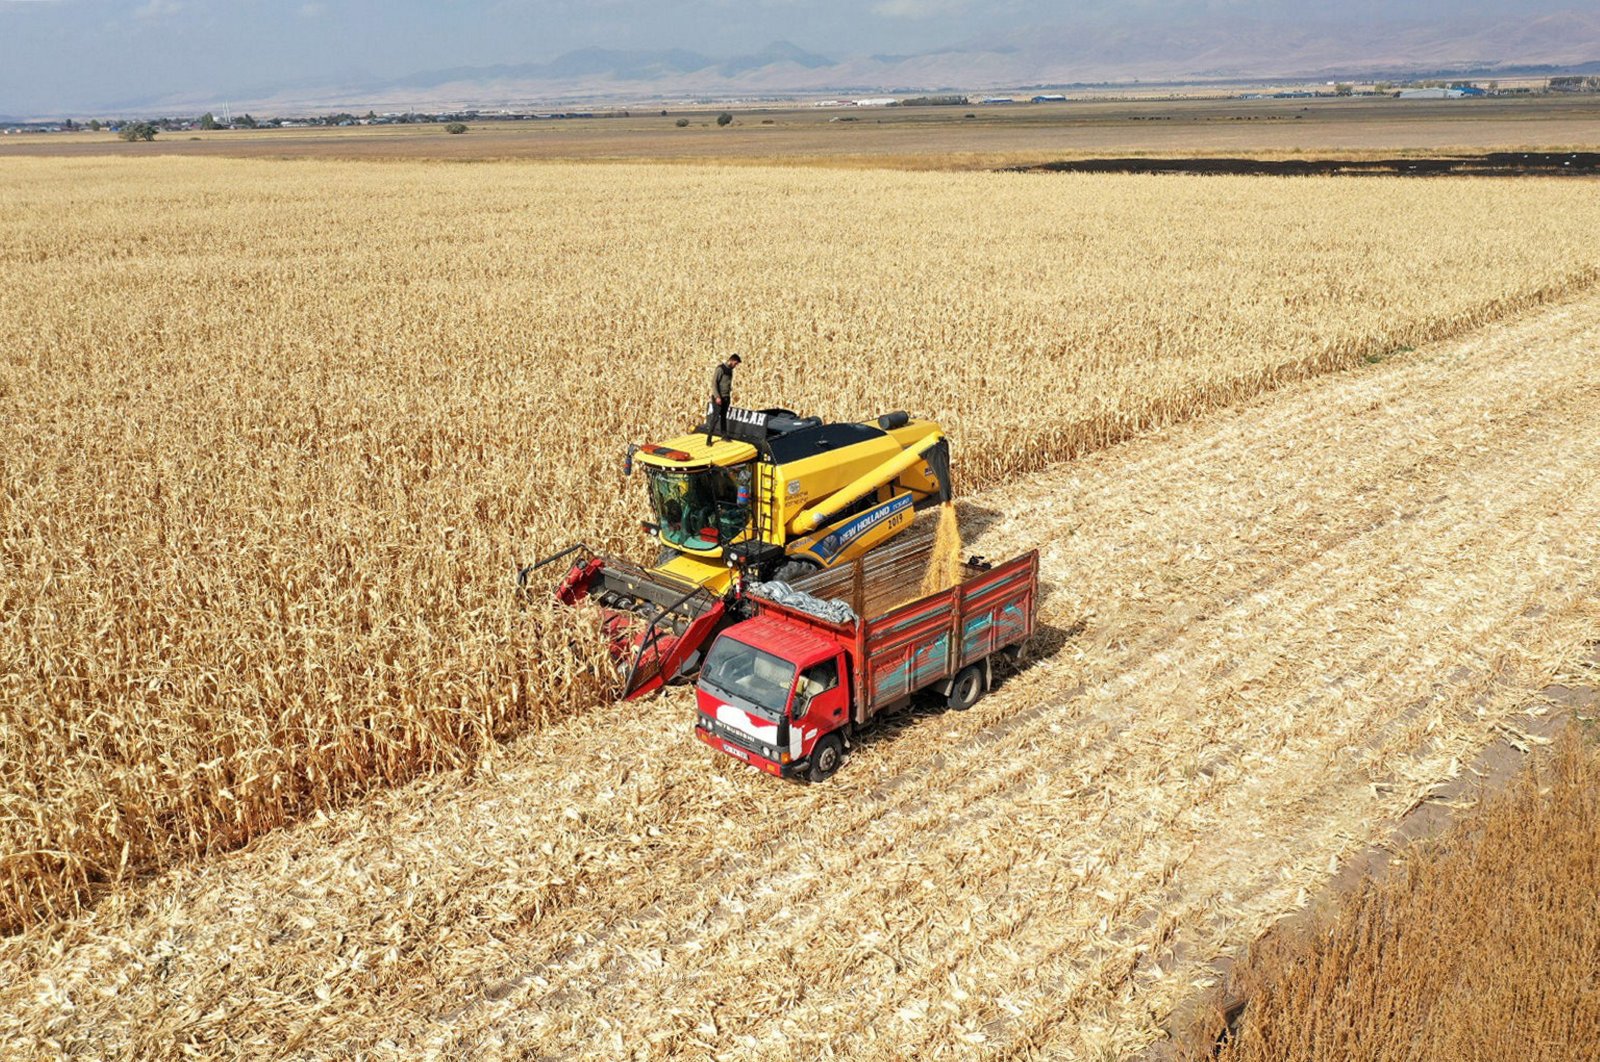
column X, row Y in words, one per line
column 784, row 497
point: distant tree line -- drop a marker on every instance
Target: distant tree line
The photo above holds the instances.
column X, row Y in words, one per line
column 1575, row 84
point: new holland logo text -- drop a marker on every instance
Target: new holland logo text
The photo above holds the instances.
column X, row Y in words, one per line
column 861, row 525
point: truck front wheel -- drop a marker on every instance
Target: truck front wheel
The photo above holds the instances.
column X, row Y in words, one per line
column 966, row 688
column 826, row 756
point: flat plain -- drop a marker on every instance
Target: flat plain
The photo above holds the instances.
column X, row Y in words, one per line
column 928, row 138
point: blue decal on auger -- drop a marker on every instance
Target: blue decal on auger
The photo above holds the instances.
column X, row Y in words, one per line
column 838, row 540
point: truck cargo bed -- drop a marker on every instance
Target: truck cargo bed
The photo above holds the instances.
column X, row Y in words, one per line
column 904, row 642
column 930, row 639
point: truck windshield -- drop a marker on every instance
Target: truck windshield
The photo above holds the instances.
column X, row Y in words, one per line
column 749, row 674
column 701, row 510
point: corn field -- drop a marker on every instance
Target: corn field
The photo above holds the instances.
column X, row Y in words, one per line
column 274, row 436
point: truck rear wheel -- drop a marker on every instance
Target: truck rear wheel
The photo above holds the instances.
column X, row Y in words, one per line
column 826, row 756
column 966, row 689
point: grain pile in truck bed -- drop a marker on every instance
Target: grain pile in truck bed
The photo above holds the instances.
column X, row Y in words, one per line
column 886, row 578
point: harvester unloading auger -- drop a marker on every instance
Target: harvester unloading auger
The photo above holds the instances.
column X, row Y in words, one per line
column 787, row 496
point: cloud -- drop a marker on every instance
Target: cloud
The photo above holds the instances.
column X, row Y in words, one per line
column 157, row 9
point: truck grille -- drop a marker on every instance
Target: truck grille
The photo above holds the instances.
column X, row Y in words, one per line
column 734, row 737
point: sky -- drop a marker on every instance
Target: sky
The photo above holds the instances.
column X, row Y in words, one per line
column 59, row 56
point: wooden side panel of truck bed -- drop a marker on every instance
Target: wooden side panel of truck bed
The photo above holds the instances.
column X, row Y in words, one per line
column 928, row 640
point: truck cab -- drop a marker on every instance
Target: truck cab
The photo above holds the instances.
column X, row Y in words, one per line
column 774, row 696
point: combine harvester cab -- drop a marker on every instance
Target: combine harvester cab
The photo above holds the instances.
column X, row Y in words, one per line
column 785, row 497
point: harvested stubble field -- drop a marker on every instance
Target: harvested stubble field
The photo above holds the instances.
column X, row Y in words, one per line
column 1292, row 622
column 274, row 435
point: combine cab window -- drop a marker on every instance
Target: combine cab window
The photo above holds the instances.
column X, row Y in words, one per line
column 702, row 510
column 749, row 674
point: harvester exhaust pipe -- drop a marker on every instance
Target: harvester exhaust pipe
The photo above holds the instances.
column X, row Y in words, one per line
column 811, row 519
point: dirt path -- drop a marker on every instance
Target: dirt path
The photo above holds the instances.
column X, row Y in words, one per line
column 1272, row 633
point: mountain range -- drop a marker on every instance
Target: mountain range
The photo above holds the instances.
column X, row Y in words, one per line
column 1081, row 53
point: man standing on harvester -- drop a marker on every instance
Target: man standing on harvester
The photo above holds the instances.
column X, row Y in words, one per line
column 721, row 398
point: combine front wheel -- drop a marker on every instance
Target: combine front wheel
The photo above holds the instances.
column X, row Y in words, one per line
column 793, row 571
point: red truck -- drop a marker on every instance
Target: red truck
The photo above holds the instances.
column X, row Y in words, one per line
column 786, row 689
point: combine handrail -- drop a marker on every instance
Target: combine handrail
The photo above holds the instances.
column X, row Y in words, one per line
column 649, row 636
column 522, row 573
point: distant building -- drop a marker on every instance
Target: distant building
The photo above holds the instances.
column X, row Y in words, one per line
column 999, row 99
column 1429, row 94
column 1049, row 99
column 878, row 101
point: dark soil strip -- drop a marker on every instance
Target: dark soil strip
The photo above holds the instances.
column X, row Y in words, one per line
column 1497, row 164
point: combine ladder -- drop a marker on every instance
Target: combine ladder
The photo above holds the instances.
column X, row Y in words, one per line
column 770, row 514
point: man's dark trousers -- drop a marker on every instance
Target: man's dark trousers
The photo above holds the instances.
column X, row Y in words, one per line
column 717, row 419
